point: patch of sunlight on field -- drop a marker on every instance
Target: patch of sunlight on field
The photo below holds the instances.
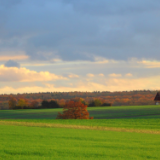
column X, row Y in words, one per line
column 20, row 142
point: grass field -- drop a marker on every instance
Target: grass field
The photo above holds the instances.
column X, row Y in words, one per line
column 96, row 112
column 126, row 133
column 151, row 124
column 20, row 142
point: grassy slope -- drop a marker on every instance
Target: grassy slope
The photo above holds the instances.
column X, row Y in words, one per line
column 19, row 142
column 97, row 112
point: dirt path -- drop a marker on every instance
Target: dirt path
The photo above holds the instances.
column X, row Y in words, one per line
column 49, row 125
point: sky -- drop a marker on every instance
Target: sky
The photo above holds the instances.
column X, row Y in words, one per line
column 71, row 45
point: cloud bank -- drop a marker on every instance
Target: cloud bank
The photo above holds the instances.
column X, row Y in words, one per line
column 12, row 74
column 81, row 30
column 79, row 45
column 111, row 84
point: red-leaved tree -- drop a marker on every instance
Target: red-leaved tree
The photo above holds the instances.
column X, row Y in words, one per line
column 74, row 110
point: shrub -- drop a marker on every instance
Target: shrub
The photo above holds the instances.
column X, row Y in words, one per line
column 74, row 110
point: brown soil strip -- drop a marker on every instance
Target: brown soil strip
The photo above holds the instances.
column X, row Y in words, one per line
column 49, row 125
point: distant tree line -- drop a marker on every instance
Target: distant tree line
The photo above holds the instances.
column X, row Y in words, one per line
column 23, row 104
column 34, row 100
column 50, row 104
column 98, row 102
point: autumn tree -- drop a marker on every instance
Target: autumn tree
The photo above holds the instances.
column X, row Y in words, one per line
column 77, row 99
column 61, row 102
column 12, row 102
column 34, row 104
column 74, row 110
column 22, row 103
column 96, row 102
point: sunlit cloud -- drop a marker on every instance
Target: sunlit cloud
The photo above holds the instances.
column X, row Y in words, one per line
column 115, row 75
column 90, row 75
column 123, row 84
column 73, row 76
column 25, row 75
column 56, row 60
column 112, row 84
column 13, row 56
column 102, row 60
column 128, row 75
column 150, row 64
column 101, row 75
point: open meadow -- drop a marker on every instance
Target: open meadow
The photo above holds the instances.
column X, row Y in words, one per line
column 128, row 132
column 113, row 112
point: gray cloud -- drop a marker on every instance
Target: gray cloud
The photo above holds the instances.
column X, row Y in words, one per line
column 107, row 7
column 12, row 63
column 9, row 3
column 81, row 30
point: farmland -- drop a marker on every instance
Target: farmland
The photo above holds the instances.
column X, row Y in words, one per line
column 130, row 132
column 96, row 112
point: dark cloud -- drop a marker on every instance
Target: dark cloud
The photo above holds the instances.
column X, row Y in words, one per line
column 12, row 63
column 82, row 30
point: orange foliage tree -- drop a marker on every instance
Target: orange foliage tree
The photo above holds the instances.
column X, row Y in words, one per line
column 12, row 102
column 74, row 110
column 34, row 104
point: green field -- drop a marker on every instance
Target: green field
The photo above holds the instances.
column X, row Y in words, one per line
column 97, row 112
column 126, row 133
column 19, row 142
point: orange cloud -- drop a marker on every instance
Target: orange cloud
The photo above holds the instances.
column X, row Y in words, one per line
column 21, row 56
column 150, row 64
column 115, row 75
column 73, row 76
column 128, row 75
column 26, row 75
column 101, row 75
column 112, row 84
column 90, row 75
